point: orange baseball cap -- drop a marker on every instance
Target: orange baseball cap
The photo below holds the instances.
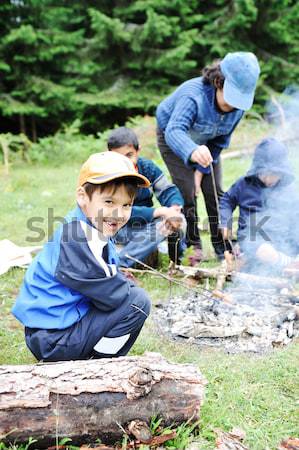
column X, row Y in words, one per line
column 107, row 166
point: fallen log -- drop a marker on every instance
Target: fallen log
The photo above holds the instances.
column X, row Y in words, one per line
column 95, row 399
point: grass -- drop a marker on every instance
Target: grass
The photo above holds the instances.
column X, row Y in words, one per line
column 256, row 393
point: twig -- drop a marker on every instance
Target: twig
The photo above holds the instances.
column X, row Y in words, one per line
column 130, row 269
column 57, row 422
column 173, row 280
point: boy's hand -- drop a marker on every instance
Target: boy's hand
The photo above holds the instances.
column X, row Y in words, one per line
column 202, row 156
column 129, row 275
column 197, row 181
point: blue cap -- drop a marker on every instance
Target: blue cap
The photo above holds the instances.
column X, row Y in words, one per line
column 241, row 71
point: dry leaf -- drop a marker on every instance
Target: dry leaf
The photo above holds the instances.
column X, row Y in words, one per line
column 230, row 440
column 289, row 444
column 140, row 430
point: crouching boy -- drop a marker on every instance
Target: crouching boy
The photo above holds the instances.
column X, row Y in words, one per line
column 268, row 210
column 149, row 225
column 74, row 303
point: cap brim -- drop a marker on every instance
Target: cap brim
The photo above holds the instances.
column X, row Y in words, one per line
column 143, row 181
column 236, row 98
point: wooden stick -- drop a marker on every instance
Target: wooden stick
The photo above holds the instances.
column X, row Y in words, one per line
column 173, row 280
column 141, row 271
column 215, row 293
column 226, row 298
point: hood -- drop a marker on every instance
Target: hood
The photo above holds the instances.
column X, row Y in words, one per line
column 271, row 156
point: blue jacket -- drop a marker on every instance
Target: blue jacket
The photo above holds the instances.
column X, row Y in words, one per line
column 275, row 208
column 74, row 270
column 189, row 117
column 167, row 193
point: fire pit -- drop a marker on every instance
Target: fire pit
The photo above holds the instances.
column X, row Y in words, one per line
column 257, row 320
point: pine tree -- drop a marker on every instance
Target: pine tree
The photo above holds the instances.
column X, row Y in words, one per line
column 39, row 53
column 101, row 61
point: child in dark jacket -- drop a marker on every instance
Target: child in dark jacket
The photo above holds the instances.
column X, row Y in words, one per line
column 268, row 209
column 149, row 225
column 74, row 303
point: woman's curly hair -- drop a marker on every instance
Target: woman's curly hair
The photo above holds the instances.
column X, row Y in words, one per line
column 212, row 75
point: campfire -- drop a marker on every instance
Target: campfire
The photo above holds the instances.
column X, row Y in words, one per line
column 252, row 314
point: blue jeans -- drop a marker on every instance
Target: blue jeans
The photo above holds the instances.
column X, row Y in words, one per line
column 99, row 334
column 141, row 241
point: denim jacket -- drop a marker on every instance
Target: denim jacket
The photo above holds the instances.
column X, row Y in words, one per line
column 189, row 117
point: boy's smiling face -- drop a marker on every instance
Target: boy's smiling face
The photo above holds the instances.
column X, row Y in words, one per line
column 108, row 210
column 129, row 151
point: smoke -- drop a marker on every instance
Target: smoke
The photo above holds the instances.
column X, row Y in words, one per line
column 273, row 230
column 283, row 112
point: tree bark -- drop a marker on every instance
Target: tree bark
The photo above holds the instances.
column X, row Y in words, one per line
column 95, row 399
column 22, row 124
column 33, row 129
column 5, row 148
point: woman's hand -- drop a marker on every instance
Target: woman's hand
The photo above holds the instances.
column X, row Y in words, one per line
column 202, row 156
column 197, row 181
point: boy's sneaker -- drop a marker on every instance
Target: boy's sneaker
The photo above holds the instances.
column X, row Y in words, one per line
column 196, row 258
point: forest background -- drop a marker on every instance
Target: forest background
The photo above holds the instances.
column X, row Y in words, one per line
column 69, row 71
column 100, row 62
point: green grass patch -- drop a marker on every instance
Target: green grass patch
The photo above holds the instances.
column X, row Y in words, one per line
column 258, row 394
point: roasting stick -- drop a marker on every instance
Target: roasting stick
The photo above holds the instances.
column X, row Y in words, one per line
column 167, row 277
column 227, row 254
column 204, row 292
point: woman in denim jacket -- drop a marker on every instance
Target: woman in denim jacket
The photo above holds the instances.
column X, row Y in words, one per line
column 194, row 124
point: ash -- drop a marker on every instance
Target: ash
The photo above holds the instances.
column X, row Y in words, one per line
column 255, row 321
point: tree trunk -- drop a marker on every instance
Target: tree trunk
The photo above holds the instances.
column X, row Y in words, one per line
column 95, row 399
column 33, row 129
column 22, row 124
column 5, row 148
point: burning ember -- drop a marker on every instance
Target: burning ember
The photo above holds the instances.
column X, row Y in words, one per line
column 256, row 320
